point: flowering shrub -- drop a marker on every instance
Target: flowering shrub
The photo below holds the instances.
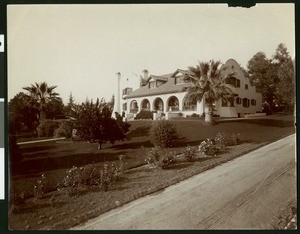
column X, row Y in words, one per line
column 190, row 153
column 220, row 141
column 158, row 158
column 166, row 160
column 16, row 202
column 77, row 178
column 235, row 137
column 208, row 147
column 38, row 187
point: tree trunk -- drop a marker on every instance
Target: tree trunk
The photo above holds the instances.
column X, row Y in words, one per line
column 99, row 145
column 209, row 114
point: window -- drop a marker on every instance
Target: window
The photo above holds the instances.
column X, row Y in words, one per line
column 238, row 100
column 246, row 86
column 152, row 85
column 253, row 102
column 246, row 102
column 179, row 80
column 238, row 84
column 124, row 106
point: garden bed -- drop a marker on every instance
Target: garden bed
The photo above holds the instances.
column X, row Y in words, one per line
column 57, row 211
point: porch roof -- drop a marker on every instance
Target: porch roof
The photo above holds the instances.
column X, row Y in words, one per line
column 168, row 87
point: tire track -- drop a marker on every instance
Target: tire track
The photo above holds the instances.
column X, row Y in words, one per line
column 221, row 215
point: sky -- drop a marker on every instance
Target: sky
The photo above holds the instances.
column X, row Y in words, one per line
column 80, row 48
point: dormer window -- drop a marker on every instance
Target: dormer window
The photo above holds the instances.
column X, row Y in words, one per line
column 152, row 85
column 179, row 80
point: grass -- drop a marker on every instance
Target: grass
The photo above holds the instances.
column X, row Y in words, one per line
column 53, row 159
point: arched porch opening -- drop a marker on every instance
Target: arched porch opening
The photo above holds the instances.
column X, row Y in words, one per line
column 134, row 108
column 145, row 104
column 189, row 105
column 158, row 105
column 173, row 104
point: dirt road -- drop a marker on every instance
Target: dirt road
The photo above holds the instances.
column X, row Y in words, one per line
column 245, row 193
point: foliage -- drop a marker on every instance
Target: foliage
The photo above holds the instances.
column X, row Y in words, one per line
column 208, row 147
column 208, row 84
column 94, row 123
column 190, row 153
column 15, row 154
column 65, row 129
column 16, row 202
column 235, row 137
column 213, row 146
column 21, row 114
column 41, row 96
column 47, row 128
column 144, row 114
column 70, row 108
column 163, row 134
column 38, row 188
column 220, row 141
column 78, row 179
column 157, row 157
column 274, row 78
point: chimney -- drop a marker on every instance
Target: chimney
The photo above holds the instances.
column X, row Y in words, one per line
column 145, row 71
column 118, row 93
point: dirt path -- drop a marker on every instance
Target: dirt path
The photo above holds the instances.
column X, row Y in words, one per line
column 245, row 193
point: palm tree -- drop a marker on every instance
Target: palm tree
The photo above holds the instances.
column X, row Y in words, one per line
column 208, row 85
column 40, row 95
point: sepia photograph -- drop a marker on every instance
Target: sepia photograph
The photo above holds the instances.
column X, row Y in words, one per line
column 151, row 117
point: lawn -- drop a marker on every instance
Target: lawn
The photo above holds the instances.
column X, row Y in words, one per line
column 53, row 159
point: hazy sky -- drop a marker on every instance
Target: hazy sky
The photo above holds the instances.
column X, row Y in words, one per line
column 80, row 48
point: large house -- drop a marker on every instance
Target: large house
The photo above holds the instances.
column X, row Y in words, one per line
column 164, row 96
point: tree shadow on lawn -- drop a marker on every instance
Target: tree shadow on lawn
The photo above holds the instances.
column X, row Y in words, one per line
column 263, row 122
column 132, row 145
column 139, row 132
column 54, row 163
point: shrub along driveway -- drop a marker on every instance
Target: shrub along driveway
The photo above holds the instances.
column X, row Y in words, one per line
column 52, row 159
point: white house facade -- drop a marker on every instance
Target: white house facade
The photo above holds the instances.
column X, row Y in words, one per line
column 163, row 95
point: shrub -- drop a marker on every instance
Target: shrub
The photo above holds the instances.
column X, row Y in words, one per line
column 64, row 130
column 220, row 141
column 16, row 202
column 79, row 178
column 38, row 189
column 163, row 134
column 190, row 153
column 157, row 157
column 235, row 137
column 144, row 115
column 15, row 154
column 208, row 147
column 47, row 127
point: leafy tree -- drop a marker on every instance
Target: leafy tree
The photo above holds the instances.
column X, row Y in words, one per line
column 94, row 123
column 262, row 74
column 285, row 90
column 274, row 78
column 209, row 85
column 21, row 114
column 70, row 108
column 40, row 95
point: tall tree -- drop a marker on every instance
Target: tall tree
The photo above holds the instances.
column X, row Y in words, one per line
column 274, row 78
column 40, row 95
column 209, row 85
column 285, row 89
column 70, row 108
column 21, row 114
column 263, row 76
column 94, row 123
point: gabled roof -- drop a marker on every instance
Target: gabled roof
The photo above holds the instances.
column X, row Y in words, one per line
column 168, row 87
